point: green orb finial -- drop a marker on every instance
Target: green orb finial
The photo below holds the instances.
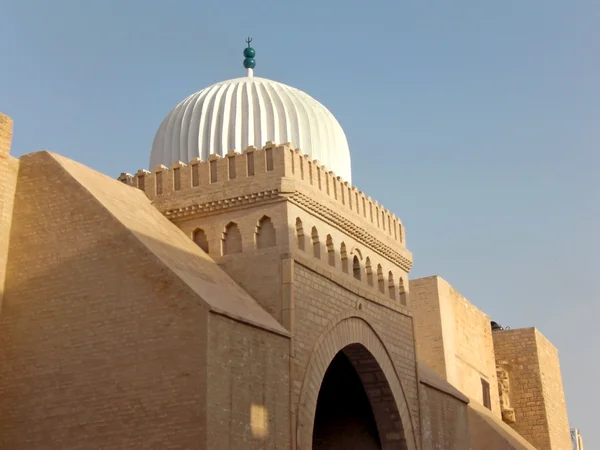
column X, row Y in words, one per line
column 249, row 54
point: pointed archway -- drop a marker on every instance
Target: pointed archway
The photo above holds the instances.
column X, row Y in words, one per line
column 351, row 357
column 344, row 417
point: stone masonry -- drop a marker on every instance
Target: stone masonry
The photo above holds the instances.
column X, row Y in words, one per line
column 333, row 255
column 8, row 183
column 536, row 390
column 454, row 338
column 200, row 306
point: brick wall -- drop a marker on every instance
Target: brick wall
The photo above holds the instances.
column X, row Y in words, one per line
column 536, row 391
column 8, row 182
column 553, row 391
column 445, row 424
column 518, row 349
column 248, row 387
column 6, row 127
column 490, row 433
column 256, row 270
column 427, row 316
column 319, row 302
column 95, row 335
column 454, row 338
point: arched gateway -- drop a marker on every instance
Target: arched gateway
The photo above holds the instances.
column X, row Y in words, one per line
column 350, row 358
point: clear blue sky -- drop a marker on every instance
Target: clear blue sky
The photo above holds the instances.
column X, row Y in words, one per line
column 477, row 123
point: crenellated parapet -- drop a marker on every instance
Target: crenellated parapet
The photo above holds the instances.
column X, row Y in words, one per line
column 348, row 197
column 255, row 167
column 216, row 172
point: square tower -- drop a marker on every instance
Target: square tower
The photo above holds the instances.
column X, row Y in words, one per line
column 325, row 260
column 454, row 338
column 534, row 388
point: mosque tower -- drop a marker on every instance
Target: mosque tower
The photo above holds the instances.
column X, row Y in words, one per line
column 258, row 174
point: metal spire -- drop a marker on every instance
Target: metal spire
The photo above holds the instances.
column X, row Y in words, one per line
column 249, row 62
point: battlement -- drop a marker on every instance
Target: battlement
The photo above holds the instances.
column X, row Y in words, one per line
column 252, row 165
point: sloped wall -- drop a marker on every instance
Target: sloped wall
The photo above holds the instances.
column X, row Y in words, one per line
column 101, row 346
column 444, row 420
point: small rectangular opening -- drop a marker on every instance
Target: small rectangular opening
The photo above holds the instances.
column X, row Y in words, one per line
column 269, row 157
column 231, row 160
column 159, row 184
column 319, row 177
column 213, row 171
column 177, row 179
column 293, row 161
column 485, row 390
column 250, row 162
column 195, row 175
column 141, row 182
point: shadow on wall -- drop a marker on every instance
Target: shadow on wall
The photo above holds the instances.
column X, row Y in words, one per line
column 104, row 321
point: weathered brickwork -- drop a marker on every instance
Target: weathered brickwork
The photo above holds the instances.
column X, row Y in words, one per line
column 320, row 304
column 256, row 270
column 248, row 387
column 8, row 183
column 446, row 426
column 454, row 338
column 200, row 306
column 536, row 391
column 427, row 317
column 553, row 392
column 489, row 433
column 288, row 170
column 94, row 334
column 444, row 416
column 6, row 128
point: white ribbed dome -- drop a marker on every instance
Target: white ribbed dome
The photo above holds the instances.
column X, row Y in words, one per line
column 248, row 111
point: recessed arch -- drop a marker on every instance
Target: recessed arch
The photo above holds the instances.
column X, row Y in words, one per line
column 391, row 285
column 316, row 244
column 264, row 235
column 344, row 257
column 231, row 240
column 402, row 292
column 356, row 270
column 200, row 239
column 358, row 340
column 300, row 234
column 330, row 250
column 369, row 271
column 357, row 252
column 380, row 280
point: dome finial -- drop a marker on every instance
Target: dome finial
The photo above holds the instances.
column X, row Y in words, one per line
column 249, row 55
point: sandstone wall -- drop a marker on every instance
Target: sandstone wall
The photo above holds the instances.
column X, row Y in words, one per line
column 454, row 338
column 427, row 317
column 488, row 432
column 319, row 302
column 248, row 387
column 536, row 391
column 553, row 391
column 8, row 181
column 95, row 334
column 444, row 420
column 256, row 268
